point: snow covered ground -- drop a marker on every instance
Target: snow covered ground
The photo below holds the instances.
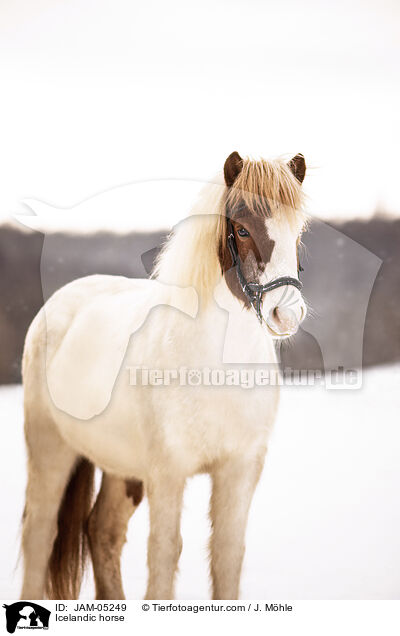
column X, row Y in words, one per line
column 325, row 520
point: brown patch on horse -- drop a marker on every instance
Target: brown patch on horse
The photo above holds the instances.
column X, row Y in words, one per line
column 134, row 489
column 254, row 254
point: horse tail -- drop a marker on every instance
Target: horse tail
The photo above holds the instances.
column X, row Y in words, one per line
column 70, row 550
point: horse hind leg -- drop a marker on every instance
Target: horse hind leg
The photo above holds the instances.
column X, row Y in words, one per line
column 106, row 528
column 50, row 463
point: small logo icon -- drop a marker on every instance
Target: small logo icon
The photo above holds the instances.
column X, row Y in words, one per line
column 26, row 615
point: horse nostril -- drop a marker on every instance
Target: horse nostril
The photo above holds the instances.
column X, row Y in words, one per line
column 284, row 319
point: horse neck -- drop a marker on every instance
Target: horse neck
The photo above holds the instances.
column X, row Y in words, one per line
column 246, row 340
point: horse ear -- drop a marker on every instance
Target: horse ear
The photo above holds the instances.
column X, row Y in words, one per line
column 298, row 167
column 233, row 166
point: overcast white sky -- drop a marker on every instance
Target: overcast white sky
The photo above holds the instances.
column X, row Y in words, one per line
column 99, row 93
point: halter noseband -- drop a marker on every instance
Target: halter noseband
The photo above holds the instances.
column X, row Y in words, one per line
column 254, row 291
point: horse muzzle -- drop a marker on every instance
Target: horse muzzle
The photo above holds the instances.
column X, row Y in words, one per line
column 283, row 321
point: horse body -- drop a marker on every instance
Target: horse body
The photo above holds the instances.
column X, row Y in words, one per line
column 136, row 430
column 83, row 404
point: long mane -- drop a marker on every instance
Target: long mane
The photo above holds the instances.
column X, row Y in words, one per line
column 190, row 256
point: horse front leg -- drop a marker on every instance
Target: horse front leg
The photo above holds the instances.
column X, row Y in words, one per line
column 165, row 543
column 233, row 485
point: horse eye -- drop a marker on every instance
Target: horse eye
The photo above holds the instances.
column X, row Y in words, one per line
column 243, row 232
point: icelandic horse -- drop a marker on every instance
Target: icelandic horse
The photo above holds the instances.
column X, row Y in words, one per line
column 225, row 286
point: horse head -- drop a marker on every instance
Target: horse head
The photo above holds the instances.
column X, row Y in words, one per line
column 260, row 239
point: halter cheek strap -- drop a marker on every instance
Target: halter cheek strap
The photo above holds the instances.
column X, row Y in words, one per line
column 254, row 291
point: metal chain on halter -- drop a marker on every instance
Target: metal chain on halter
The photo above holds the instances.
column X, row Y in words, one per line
column 255, row 291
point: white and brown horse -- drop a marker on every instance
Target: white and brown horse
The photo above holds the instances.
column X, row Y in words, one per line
column 225, row 285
